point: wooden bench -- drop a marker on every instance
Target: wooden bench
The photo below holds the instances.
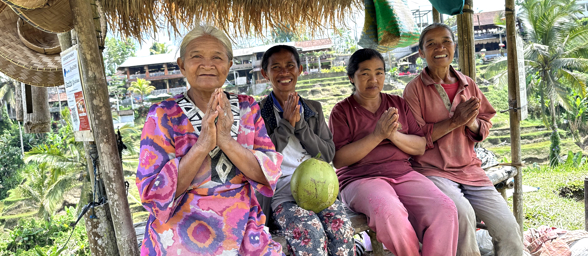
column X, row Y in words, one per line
column 497, row 174
column 359, row 224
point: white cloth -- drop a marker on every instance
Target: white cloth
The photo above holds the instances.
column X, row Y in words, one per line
column 294, row 154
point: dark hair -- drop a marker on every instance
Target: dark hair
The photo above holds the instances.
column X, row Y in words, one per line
column 431, row 27
column 360, row 56
column 275, row 49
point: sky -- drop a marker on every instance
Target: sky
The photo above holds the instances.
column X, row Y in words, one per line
column 479, row 6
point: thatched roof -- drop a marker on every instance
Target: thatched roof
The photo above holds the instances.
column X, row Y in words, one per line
column 238, row 17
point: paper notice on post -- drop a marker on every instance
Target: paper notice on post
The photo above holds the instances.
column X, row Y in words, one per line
column 522, row 92
column 73, row 89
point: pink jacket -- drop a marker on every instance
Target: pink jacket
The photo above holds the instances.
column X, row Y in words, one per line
column 451, row 156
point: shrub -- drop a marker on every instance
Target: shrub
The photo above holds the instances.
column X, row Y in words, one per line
column 10, row 162
column 36, row 237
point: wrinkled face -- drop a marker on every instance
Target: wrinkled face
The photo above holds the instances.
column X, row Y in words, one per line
column 369, row 78
column 438, row 48
column 206, row 63
column 282, row 71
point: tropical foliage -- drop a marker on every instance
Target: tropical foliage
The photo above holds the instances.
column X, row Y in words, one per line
column 116, row 51
column 159, row 48
column 7, row 87
column 556, row 50
column 52, row 170
column 39, row 237
column 117, row 89
column 142, row 87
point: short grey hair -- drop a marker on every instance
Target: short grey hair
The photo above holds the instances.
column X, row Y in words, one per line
column 431, row 27
column 204, row 30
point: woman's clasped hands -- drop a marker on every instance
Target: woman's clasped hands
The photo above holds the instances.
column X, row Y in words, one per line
column 217, row 122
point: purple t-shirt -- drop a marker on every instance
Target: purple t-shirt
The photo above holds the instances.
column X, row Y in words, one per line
column 350, row 122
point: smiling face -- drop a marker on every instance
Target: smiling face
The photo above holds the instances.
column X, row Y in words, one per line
column 438, row 48
column 282, row 71
column 205, row 63
column 369, row 78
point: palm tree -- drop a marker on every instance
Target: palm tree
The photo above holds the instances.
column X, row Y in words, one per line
column 52, row 170
column 46, row 184
column 556, row 47
column 141, row 86
column 159, row 48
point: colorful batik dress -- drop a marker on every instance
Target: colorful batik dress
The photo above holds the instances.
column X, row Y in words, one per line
column 218, row 214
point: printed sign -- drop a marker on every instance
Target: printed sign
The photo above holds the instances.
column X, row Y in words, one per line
column 522, row 93
column 73, row 89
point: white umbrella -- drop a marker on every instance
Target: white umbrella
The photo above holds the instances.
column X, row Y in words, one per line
column 164, row 95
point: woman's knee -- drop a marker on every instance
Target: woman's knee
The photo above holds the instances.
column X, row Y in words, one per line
column 464, row 208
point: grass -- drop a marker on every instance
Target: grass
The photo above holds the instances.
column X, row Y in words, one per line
column 545, row 206
column 539, row 150
column 18, row 216
column 502, row 120
column 531, row 135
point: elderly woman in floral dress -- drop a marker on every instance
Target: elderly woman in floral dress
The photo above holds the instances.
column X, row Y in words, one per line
column 202, row 155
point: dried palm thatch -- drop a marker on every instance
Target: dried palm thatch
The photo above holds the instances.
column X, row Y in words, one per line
column 133, row 18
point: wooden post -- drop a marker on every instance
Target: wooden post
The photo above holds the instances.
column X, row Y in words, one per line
column 377, row 248
column 98, row 221
column 18, row 100
column 515, row 132
column 37, row 118
column 98, row 105
column 436, row 16
column 586, row 203
column 466, row 44
column 101, row 237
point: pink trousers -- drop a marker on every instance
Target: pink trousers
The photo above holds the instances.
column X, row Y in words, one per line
column 405, row 211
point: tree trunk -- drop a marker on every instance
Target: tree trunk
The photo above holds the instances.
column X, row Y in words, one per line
column 101, row 237
column 100, row 115
column 99, row 228
column 552, row 112
column 37, row 118
column 542, row 101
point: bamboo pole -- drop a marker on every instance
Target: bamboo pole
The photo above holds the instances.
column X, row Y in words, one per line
column 586, row 203
column 460, row 43
column 513, row 89
column 466, row 45
column 436, row 16
column 101, row 237
column 98, row 105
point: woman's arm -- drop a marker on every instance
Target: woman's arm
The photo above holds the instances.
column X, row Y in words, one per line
column 191, row 162
column 244, row 160
column 316, row 142
column 357, row 150
column 241, row 157
column 410, row 144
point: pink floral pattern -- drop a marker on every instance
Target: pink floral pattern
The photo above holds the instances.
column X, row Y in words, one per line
column 210, row 218
column 328, row 232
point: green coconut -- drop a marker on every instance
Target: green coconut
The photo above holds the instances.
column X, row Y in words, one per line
column 314, row 184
